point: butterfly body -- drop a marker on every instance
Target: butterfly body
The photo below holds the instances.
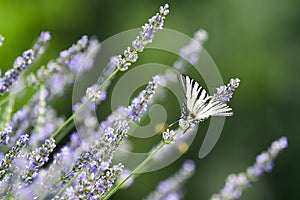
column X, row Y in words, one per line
column 198, row 105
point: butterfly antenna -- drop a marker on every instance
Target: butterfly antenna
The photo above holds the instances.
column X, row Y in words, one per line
column 174, row 123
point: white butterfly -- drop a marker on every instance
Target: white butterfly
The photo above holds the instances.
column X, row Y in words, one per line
column 198, row 105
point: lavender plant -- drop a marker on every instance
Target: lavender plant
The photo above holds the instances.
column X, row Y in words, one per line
column 32, row 167
column 237, row 183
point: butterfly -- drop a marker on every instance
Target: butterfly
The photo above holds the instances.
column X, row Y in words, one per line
column 198, row 105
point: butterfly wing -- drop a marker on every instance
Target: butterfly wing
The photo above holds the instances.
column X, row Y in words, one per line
column 182, row 80
column 197, row 101
column 195, row 95
column 214, row 108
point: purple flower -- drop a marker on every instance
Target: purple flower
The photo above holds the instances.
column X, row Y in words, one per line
column 12, row 154
column 4, row 135
column 170, row 188
column 191, row 52
column 145, row 37
column 172, row 196
column 155, row 23
column 40, row 45
column 22, row 63
column 45, row 36
column 36, row 159
column 189, row 165
column 237, row 183
column 224, row 93
column 139, row 104
column 95, row 95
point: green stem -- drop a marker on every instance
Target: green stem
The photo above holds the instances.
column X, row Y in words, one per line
column 67, row 185
column 55, row 134
column 64, row 133
column 135, row 171
column 8, row 111
column 83, row 105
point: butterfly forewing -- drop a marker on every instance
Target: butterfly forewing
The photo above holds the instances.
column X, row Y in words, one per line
column 183, row 84
column 195, row 95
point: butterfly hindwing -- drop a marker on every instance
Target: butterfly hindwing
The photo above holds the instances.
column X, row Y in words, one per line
column 214, row 108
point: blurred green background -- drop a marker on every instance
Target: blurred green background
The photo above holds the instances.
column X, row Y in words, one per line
column 257, row 41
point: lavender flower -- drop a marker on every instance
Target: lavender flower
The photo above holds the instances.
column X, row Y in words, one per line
column 191, row 52
column 22, row 171
column 264, row 161
column 40, row 44
column 139, row 104
column 37, row 159
column 61, row 72
column 224, row 93
column 237, row 183
column 168, row 136
column 4, row 135
column 145, row 37
column 37, row 118
column 102, row 151
column 10, row 156
column 86, row 158
column 155, row 23
column 93, row 185
column 22, row 63
column 122, row 62
column 12, row 75
column 96, row 163
column 47, row 177
column 169, row 188
column 56, row 76
column 70, row 56
column 95, row 95
column 99, row 157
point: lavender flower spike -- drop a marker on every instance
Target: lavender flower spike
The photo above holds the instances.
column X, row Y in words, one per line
column 145, row 37
column 224, row 93
column 14, row 152
column 170, row 188
column 4, row 135
column 95, row 163
column 155, row 23
column 192, row 51
column 98, row 158
column 37, row 159
column 139, row 104
column 237, row 183
column 40, row 44
column 22, row 63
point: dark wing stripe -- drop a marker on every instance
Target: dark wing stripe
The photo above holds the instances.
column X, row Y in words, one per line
column 200, row 92
column 192, row 83
column 195, row 86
